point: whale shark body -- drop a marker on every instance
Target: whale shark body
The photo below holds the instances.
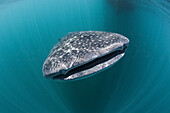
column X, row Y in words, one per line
column 80, row 54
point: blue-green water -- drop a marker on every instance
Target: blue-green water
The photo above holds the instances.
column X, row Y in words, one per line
column 138, row 83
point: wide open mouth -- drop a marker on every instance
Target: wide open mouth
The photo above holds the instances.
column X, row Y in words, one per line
column 90, row 64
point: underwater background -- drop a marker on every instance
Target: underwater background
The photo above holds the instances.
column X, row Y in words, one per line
column 138, row 83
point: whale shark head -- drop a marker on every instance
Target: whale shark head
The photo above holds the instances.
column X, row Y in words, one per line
column 80, row 54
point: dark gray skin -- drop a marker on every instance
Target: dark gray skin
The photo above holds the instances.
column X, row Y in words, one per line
column 80, row 54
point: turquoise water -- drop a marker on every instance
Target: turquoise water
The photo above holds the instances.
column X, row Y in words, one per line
column 138, row 83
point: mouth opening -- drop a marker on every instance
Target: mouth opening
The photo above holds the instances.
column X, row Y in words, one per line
column 90, row 64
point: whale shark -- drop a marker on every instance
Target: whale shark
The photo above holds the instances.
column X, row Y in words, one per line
column 81, row 54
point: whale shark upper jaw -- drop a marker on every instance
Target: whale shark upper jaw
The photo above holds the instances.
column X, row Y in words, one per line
column 93, row 63
column 60, row 76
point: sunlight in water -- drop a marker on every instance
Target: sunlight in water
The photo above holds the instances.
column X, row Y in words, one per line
column 138, row 83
